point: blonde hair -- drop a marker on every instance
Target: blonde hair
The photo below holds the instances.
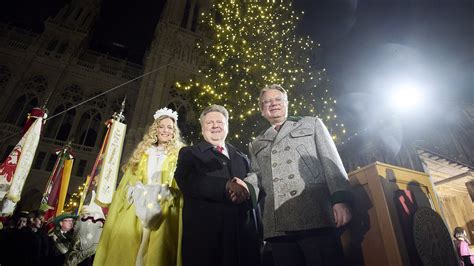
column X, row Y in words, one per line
column 151, row 138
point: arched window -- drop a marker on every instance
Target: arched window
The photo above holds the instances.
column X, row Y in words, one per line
column 172, row 106
column 22, row 105
column 88, row 128
column 194, row 22
column 12, row 116
column 187, row 7
column 66, row 125
column 59, row 127
column 182, row 113
column 52, row 125
column 19, row 110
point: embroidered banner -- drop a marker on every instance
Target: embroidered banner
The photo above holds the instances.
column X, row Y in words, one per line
column 15, row 169
column 111, row 163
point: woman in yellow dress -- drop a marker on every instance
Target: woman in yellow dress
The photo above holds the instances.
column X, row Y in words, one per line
column 144, row 226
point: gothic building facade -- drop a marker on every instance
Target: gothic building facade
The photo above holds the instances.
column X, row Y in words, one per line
column 172, row 56
column 56, row 69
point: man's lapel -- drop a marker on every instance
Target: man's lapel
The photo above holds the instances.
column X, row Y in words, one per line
column 204, row 146
column 269, row 135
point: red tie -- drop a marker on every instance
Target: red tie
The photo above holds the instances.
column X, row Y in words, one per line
column 220, row 149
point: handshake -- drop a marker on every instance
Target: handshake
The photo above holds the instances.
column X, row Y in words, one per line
column 237, row 190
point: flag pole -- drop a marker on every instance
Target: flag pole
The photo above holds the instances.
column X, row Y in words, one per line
column 16, row 167
column 56, row 188
column 118, row 118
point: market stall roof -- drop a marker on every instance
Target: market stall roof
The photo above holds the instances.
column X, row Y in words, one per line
column 449, row 176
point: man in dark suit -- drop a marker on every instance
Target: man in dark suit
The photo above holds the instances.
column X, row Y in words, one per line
column 302, row 186
column 218, row 225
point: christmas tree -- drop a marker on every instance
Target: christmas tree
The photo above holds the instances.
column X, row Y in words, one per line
column 254, row 44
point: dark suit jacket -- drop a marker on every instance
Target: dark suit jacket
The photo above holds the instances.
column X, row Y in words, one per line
column 215, row 231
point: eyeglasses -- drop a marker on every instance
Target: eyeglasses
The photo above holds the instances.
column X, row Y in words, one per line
column 276, row 100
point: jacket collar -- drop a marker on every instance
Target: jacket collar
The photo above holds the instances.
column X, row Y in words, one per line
column 273, row 136
column 204, row 146
column 269, row 134
column 287, row 127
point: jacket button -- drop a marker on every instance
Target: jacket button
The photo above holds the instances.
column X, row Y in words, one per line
column 275, row 179
column 224, row 163
column 293, row 192
column 289, row 161
column 287, row 148
column 274, row 151
column 274, row 164
column 291, row 176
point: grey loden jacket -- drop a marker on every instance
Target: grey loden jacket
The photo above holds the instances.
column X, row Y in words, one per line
column 297, row 175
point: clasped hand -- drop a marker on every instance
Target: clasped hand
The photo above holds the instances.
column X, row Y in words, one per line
column 237, row 190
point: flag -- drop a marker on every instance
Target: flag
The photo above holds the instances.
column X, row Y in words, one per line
column 109, row 169
column 16, row 167
column 103, row 177
column 56, row 188
column 99, row 189
column 91, row 180
column 64, row 185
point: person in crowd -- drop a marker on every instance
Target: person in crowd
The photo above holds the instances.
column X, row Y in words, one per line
column 38, row 236
column 218, row 225
column 22, row 220
column 301, row 185
column 25, row 245
column 61, row 238
column 143, row 226
column 462, row 246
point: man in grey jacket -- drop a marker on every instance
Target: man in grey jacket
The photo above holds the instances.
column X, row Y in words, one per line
column 301, row 186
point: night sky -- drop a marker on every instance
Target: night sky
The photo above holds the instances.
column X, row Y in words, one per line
column 367, row 46
column 371, row 47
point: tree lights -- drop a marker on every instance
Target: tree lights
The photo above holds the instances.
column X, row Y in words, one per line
column 254, row 44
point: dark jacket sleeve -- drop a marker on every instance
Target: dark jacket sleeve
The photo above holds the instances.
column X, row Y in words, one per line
column 194, row 183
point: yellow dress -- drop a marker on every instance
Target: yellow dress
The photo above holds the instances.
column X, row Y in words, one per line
column 121, row 237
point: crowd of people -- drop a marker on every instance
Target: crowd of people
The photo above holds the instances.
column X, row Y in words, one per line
column 210, row 204
column 25, row 240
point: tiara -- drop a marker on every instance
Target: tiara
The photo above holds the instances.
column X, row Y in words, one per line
column 167, row 112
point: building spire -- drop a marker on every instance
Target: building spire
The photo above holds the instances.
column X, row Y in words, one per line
column 77, row 15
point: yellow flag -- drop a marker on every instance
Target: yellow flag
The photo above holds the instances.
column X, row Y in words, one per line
column 64, row 185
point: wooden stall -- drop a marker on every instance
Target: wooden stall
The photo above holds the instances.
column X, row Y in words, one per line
column 396, row 219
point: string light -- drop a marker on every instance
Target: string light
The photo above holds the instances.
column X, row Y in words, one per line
column 74, row 200
column 254, row 44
